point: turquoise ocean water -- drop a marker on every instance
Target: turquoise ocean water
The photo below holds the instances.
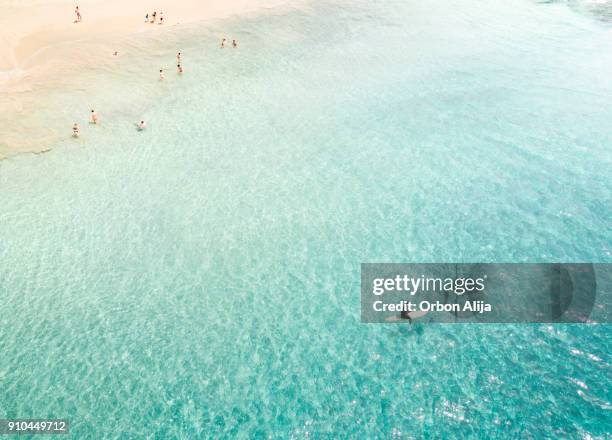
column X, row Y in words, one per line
column 201, row 278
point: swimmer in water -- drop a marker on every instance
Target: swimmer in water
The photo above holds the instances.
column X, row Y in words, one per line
column 223, row 43
column 141, row 125
column 94, row 117
column 234, row 44
column 75, row 130
column 161, row 75
column 406, row 315
column 180, row 68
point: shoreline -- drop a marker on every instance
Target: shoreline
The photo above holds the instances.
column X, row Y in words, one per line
column 45, row 52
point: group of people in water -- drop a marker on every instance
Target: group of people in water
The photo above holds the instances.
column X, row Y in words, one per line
column 76, row 131
column 234, row 43
column 179, row 67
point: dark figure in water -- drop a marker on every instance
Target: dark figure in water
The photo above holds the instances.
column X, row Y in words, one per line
column 406, row 315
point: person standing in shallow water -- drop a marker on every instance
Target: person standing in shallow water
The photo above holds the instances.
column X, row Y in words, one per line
column 75, row 130
column 161, row 75
column 234, row 44
column 223, row 43
column 94, row 117
column 180, row 68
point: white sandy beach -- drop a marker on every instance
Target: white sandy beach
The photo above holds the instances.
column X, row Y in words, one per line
column 41, row 42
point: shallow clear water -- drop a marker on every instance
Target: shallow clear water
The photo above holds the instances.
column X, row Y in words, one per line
column 201, row 278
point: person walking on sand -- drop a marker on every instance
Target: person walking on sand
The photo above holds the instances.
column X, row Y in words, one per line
column 223, row 43
column 75, row 130
column 234, row 44
column 180, row 68
column 147, row 18
column 161, row 75
column 153, row 16
column 94, row 117
column 161, row 18
column 78, row 14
